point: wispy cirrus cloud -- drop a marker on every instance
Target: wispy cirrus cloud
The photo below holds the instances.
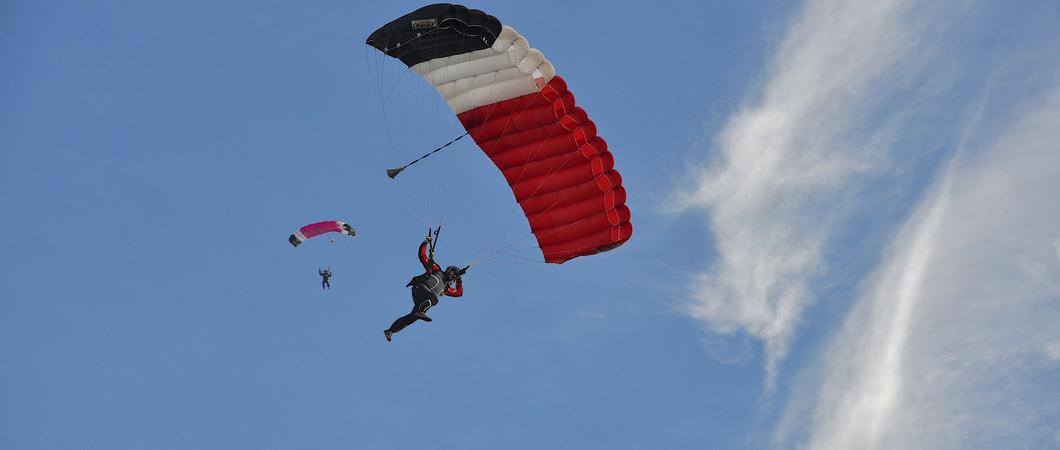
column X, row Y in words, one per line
column 954, row 340
column 954, row 344
column 787, row 163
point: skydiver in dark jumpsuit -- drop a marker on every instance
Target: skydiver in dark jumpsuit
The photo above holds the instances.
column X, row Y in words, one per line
column 428, row 288
column 325, row 276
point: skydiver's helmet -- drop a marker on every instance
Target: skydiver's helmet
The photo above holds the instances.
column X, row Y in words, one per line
column 452, row 273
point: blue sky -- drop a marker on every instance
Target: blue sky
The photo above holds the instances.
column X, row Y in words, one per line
column 844, row 211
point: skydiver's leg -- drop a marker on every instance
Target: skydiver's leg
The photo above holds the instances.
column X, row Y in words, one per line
column 423, row 300
column 420, row 310
column 402, row 322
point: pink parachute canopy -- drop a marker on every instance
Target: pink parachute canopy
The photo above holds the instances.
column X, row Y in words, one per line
column 316, row 229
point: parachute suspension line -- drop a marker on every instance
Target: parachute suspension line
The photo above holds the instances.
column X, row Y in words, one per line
column 504, row 132
column 441, row 190
column 509, row 126
column 434, row 136
column 543, row 182
column 394, row 87
column 523, row 172
column 392, row 173
column 511, row 212
column 419, row 98
column 479, row 260
column 557, row 230
column 513, row 255
column 549, row 208
column 507, row 246
column 485, row 238
column 377, row 87
column 511, row 252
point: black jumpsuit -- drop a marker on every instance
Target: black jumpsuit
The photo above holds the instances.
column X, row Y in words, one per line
column 426, row 290
column 326, row 275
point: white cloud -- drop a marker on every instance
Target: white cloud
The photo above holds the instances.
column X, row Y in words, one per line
column 1052, row 351
column 945, row 348
column 954, row 339
column 1058, row 250
column 788, row 162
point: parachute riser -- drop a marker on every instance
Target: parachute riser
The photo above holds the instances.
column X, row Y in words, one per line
column 434, row 242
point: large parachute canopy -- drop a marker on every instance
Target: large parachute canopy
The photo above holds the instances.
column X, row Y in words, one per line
column 521, row 114
column 316, row 229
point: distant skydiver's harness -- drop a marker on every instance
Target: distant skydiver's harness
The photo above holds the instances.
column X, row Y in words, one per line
column 325, row 276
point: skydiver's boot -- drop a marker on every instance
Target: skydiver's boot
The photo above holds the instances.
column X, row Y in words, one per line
column 389, row 334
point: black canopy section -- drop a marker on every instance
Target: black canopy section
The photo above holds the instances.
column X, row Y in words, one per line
column 436, row 31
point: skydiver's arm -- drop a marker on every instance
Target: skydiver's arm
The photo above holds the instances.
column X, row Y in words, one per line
column 426, row 258
column 456, row 291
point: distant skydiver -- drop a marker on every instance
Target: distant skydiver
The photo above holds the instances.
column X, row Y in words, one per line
column 325, row 275
column 428, row 287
